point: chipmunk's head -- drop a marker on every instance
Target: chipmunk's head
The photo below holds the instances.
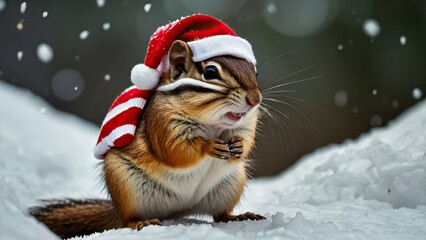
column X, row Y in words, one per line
column 220, row 91
column 198, row 66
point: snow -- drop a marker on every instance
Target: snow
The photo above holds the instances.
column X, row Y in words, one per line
column 106, row 26
column 100, row 3
column 417, row 93
column 371, row 28
column 285, row 16
column 107, row 77
column 403, row 40
column 395, row 103
column 147, row 7
column 376, row 120
column 23, row 7
column 372, row 187
column 84, row 34
column 20, row 25
column 19, row 55
column 45, row 52
column 2, row 5
column 271, row 8
column 341, row 98
column 45, row 13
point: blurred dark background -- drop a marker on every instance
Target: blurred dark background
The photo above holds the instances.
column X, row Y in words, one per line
column 339, row 67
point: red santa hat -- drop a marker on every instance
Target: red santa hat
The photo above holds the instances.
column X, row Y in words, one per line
column 206, row 36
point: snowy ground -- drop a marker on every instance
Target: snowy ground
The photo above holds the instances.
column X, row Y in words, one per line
column 370, row 188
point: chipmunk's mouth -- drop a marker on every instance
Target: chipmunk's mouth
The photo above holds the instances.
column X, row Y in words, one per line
column 235, row 116
column 233, row 119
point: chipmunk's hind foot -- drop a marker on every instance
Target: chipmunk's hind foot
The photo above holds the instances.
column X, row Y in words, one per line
column 241, row 217
column 141, row 224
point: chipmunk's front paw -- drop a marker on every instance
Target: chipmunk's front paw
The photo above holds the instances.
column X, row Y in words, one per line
column 236, row 148
column 233, row 149
column 219, row 149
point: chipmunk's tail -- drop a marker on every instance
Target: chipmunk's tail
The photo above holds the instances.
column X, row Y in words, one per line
column 70, row 218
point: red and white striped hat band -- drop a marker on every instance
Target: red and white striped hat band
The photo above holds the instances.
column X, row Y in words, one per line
column 118, row 128
column 206, row 36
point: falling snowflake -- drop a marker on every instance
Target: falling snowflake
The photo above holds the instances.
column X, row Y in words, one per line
column 417, row 93
column 371, row 28
column 2, row 5
column 271, row 8
column 341, row 98
column 106, row 26
column 100, row 3
column 147, row 7
column 19, row 55
column 45, row 53
column 395, row 103
column 403, row 40
column 84, row 34
column 20, row 25
column 107, row 77
column 355, row 110
column 23, row 7
column 376, row 121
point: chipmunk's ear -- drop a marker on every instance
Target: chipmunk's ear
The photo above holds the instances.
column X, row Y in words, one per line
column 179, row 58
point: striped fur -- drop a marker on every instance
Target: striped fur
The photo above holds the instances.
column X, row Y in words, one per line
column 187, row 155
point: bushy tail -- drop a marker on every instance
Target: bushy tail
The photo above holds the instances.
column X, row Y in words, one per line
column 70, row 218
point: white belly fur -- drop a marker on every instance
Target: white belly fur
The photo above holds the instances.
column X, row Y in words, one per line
column 204, row 189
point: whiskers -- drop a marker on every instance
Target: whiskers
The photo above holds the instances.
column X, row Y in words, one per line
column 267, row 110
column 282, row 109
column 292, row 82
column 270, row 63
column 223, row 105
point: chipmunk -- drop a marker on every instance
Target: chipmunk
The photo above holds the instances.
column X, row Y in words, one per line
column 188, row 156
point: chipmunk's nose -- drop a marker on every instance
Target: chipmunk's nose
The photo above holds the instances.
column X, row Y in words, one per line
column 253, row 98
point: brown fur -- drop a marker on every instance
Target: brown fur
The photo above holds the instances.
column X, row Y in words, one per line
column 69, row 218
column 166, row 139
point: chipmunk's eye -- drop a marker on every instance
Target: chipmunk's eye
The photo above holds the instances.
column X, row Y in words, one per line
column 211, row 72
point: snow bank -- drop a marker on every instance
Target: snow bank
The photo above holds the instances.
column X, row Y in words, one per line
column 373, row 187
column 44, row 154
column 388, row 165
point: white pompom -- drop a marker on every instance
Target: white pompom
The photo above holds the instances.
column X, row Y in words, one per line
column 144, row 77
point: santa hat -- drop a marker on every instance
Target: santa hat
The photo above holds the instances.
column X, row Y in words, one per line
column 206, row 36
